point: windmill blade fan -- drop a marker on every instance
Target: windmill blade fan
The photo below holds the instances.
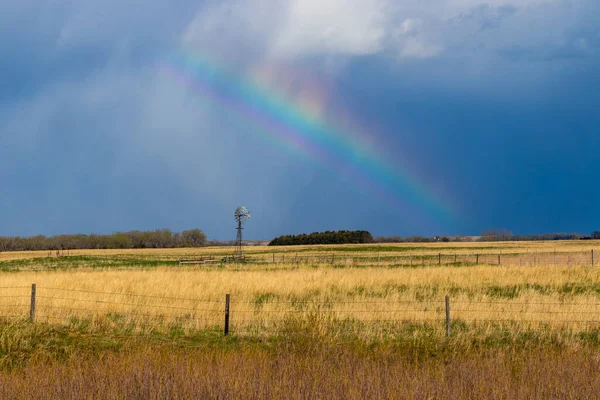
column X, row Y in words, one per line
column 241, row 213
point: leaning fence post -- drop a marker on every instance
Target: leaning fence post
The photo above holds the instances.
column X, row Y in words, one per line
column 447, row 316
column 32, row 306
column 226, row 329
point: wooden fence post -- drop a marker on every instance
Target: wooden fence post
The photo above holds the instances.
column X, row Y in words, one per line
column 32, row 305
column 440, row 259
column 477, row 259
column 273, row 258
column 226, row 329
column 447, row 316
column 332, row 258
column 592, row 258
column 498, row 259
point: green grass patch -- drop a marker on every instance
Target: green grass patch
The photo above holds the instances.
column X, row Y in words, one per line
column 73, row 262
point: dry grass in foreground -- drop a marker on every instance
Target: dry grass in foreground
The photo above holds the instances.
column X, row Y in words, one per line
column 320, row 372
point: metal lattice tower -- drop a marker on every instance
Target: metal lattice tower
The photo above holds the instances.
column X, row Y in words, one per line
column 241, row 215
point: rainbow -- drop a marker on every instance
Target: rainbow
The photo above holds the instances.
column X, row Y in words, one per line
column 301, row 128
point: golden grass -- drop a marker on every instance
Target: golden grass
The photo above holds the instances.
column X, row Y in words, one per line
column 195, row 296
column 361, row 290
column 322, row 373
column 184, row 252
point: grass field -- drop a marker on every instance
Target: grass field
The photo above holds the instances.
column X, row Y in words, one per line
column 330, row 314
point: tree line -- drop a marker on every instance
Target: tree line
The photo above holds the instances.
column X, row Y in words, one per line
column 160, row 238
column 328, row 237
column 505, row 235
column 496, row 235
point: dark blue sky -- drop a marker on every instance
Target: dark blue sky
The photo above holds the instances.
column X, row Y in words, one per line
column 492, row 107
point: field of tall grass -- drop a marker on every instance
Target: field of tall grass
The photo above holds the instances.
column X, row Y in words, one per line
column 341, row 319
column 324, row 371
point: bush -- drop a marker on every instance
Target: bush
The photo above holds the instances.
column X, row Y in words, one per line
column 328, row 237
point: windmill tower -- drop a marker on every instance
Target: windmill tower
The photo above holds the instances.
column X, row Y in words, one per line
column 241, row 215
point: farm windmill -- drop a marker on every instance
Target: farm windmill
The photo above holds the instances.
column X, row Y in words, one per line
column 241, row 215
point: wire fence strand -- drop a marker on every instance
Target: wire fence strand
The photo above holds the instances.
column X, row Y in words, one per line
column 14, row 287
column 121, row 304
column 133, row 295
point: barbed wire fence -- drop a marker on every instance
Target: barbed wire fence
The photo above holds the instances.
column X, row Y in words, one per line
column 522, row 259
column 268, row 316
column 399, row 259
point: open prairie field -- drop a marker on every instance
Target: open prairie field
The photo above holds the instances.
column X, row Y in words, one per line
column 361, row 310
column 374, row 289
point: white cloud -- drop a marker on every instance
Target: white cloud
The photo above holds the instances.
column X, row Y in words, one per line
column 291, row 29
column 413, row 48
column 312, row 27
column 235, row 30
column 411, row 38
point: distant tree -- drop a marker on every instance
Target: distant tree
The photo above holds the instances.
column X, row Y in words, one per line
column 418, row 239
column 119, row 241
column 388, row 239
column 4, row 243
column 497, row 235
column 596, row 235
column 160, row 238
column 327, row 237
column 193, row 238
